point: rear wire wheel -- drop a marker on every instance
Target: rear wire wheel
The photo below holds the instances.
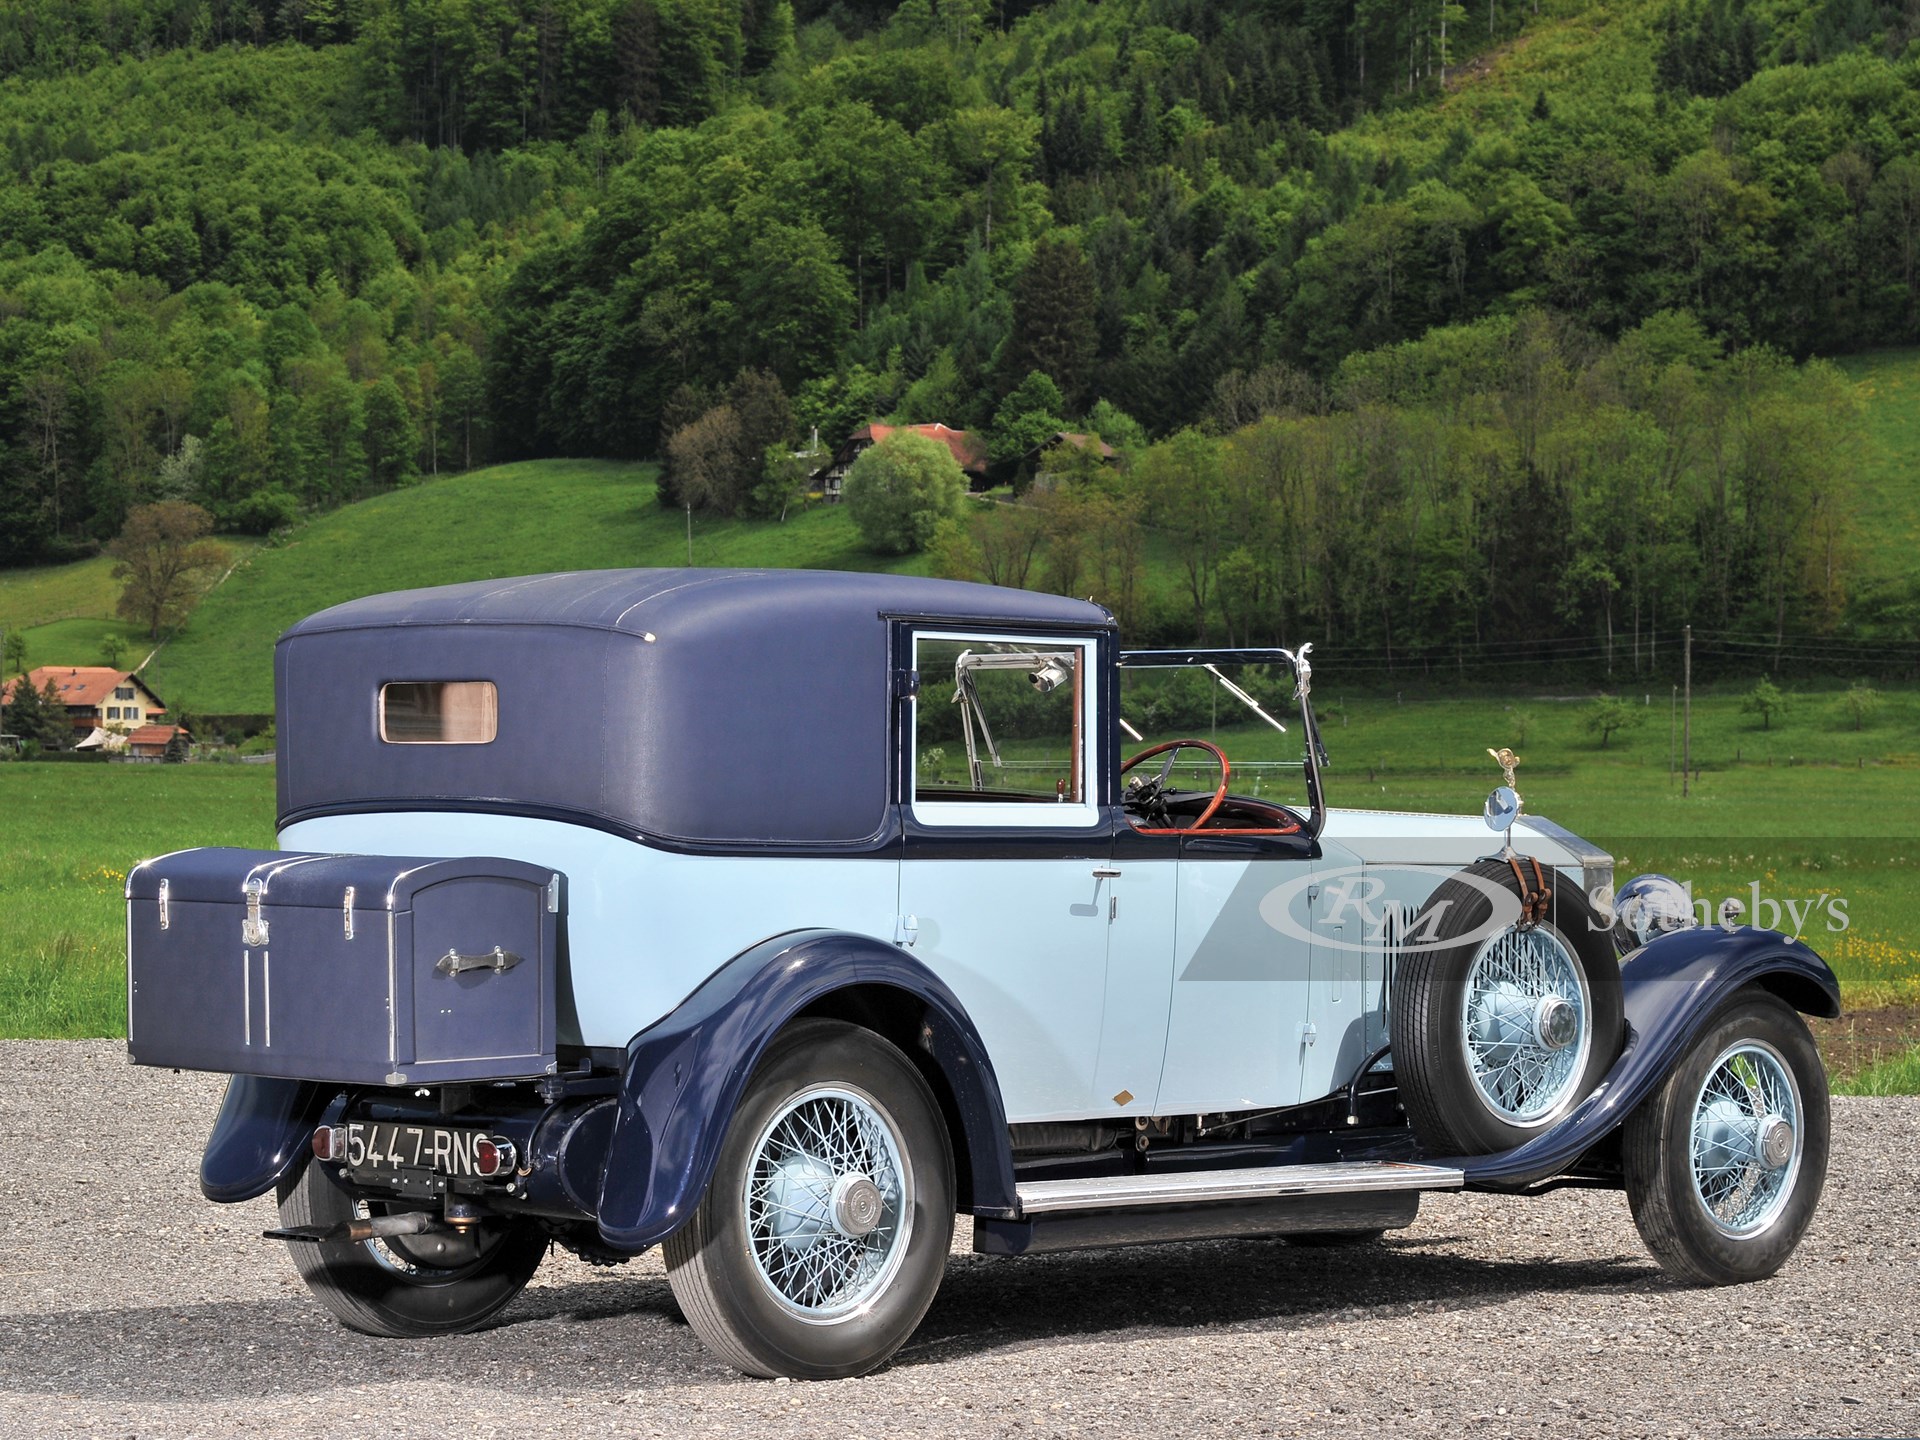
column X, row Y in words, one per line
column 824, row 1231
column 408, row 1286
column 1498, row 1032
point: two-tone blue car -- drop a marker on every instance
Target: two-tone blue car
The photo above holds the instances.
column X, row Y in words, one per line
column 775, row 918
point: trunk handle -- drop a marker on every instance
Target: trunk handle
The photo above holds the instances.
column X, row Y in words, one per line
column 496, row 959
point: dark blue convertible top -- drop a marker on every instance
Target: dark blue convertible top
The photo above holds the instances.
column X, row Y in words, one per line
column 720, row 706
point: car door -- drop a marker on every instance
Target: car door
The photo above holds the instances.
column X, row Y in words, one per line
column 1004, row 890
column 1241, row 973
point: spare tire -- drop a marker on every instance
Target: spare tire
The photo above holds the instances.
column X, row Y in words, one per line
column 1499, row 1030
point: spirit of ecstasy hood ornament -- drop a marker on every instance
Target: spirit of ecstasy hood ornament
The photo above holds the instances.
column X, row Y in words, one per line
column 1503, row 805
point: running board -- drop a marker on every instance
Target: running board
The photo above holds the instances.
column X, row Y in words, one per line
column 1351, row 1196
column 1201, row 1187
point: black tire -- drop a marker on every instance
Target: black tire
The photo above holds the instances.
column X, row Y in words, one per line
column 399, row 1288
column 1449, row 1111
column 726, row 1295
column 1335, row 1239
column 1657, row 1147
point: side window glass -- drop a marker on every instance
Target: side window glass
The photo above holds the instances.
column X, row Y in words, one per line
column 1002, row 722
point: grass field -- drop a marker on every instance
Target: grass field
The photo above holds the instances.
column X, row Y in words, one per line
column 522, row 519
column 1845, row 830
column 72, row 833
column 1887, row 507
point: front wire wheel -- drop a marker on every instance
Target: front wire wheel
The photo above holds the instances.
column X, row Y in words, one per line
column 1725, row 1164
column 823, row 1233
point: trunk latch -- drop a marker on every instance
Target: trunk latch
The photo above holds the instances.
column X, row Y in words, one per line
column 253, row 929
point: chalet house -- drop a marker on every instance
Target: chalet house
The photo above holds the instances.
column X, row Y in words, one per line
column 97, row 697
column 969, row 451
column 1037, row 461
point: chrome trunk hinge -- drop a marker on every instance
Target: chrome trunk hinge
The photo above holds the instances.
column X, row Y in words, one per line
column 164, row 922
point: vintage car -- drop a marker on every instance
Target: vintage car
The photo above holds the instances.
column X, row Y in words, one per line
column 775, row 918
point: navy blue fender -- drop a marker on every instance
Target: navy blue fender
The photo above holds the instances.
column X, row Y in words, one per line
column 685, row 1075
column 262, row 1135
column 1671, row 986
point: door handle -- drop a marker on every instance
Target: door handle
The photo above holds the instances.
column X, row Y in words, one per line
column 1106, row 872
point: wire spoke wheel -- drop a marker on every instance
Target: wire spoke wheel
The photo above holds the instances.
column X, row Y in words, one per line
column 1724, row 1164
column 1498, row 1031
column 1747, row 1138
column 1525, row 1025
column 821, row 1239
column 406, row 1286
column 826, row 1202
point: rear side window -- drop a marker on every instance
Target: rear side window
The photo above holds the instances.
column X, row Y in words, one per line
column 439, row 712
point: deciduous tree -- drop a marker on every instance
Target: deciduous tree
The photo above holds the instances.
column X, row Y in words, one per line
column 162, row 558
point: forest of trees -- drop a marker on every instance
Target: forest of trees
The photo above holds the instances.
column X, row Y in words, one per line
column 268, row 256
column 1489, row 488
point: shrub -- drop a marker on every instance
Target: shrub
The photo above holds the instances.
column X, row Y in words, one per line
column 900, row 490
column 1609, row 714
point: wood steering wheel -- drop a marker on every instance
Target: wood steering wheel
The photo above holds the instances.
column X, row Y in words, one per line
column 1147, row 795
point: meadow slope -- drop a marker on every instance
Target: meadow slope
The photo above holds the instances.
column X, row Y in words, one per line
column 523, row 519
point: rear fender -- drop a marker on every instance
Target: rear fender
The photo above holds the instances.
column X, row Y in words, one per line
column 685, row 1075
column 1672, row 986
column 262, row 1136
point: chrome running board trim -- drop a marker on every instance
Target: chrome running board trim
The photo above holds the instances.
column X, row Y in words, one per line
column 1191, row 1187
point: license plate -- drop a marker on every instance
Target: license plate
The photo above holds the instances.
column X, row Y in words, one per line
column 379, row 1148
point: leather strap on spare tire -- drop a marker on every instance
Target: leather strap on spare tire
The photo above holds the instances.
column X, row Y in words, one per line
column 1505, row 1010
column 1535, row 899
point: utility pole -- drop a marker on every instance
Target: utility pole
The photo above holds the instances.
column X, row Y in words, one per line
column 1686, row 729
column 689, row 534
column 1673, row 732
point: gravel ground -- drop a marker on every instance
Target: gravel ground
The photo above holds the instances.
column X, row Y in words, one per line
column 131, row 1307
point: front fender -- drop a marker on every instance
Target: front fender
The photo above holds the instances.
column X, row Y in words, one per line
column 261, row 1137
column 685, row 1075
column 1671, row 987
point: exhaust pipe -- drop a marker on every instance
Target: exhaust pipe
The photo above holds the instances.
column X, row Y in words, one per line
column 354, row 1232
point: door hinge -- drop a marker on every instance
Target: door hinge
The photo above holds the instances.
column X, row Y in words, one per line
column 906, row 930
column 1309, row 1032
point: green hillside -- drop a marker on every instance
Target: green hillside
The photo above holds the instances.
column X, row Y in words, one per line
column 65, row 613
column 1887, row 505
column 521, row 519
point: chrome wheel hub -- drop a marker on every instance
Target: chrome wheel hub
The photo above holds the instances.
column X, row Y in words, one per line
column 1526, row 1025
column 857, row 1206
column 827, row 1203
column 1776, row 1142
column 1746, row 1141
column 1556, row 1024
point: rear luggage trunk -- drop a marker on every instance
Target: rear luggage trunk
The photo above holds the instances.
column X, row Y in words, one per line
column 358, row 969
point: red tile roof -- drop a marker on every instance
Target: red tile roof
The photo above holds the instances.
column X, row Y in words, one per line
column 156, row 736
column 969, row 450
column 85, row 685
